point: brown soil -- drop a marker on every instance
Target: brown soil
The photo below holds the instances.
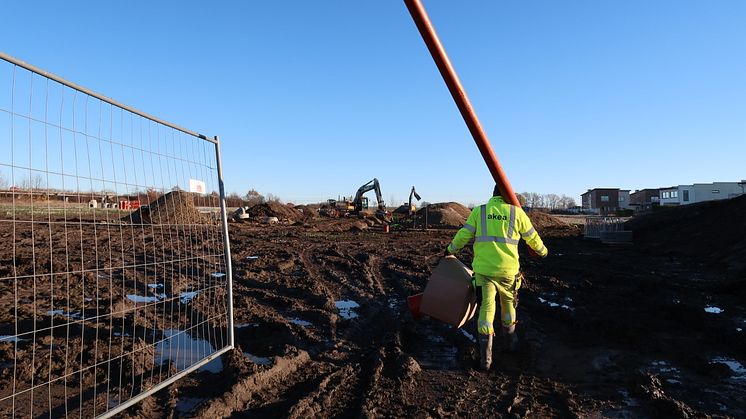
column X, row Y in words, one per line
column 275, row 209
column 444, row 214
column 176, row 207
column 713, row 232
column 604, row 332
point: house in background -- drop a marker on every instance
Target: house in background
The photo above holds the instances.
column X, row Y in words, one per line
column 701, row 192
column 624, row 199
column 644, row 199
column 604, row 200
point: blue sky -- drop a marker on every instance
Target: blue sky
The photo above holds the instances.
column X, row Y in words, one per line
column 313, row 99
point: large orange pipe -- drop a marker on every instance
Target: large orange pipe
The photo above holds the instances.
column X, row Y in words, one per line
column 459, row 96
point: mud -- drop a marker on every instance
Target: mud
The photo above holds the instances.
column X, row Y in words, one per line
column 605, row 332
column 323, row 330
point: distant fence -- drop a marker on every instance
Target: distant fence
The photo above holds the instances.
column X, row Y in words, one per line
column 607, row 229
column 115, row 275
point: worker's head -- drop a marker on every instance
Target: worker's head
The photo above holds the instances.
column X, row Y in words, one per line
column 496, row 191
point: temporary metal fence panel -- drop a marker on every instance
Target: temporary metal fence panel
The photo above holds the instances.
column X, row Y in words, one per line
column 594, row 226
column 115, row 275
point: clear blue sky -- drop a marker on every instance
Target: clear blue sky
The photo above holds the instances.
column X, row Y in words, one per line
column 314, row 98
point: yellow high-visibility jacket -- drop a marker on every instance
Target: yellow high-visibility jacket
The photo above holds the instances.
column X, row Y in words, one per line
column 496, row 228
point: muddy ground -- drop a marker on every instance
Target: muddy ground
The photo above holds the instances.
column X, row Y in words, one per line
column 323, row 330
column 605, row 332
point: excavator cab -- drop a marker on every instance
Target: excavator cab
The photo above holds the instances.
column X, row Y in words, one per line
column 363, row 203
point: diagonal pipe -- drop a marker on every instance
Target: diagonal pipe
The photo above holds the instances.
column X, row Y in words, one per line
column 419, row 15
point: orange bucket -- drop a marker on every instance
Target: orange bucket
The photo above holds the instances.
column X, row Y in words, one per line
column 413, row 302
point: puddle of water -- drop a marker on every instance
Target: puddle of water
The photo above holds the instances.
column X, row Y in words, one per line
column 188, row 296
column 252, row 257
column 347, row 308
column 663, row 367
column 261, row 360
column 469, row 336
column 218, row 274
column 738, row 372
column 155, row 286
column 553, row 304
column 8, row 338
column 714, row 310
column 242, row 325
column 439, row 356
column 141, row 298
column 393, row 303
column 71, row 315
column 187, row 404
column 183, row 351
column 738, row 329
column 300, row 322
column 120, row 334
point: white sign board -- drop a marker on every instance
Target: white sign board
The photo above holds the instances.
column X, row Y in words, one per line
column 197, row 186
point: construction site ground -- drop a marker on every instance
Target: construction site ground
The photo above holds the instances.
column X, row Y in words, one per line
column 323, row 330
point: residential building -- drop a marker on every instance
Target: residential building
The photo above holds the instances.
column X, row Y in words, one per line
column 701, row 192
column 624, row 199
column 644, row 199
column 602, row 200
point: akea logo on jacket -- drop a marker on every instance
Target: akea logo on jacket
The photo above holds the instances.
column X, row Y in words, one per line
column 497, row 217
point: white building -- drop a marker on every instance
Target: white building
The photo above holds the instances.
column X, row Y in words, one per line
column 701, row 192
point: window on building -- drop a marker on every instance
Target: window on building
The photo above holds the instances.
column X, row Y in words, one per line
column 604, row 198
column 621, row 198
column 665, row 195
column 686, row 195
column 674, row 194
column 716, row 191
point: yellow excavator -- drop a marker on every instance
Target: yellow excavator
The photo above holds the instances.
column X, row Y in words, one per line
column 358, row 204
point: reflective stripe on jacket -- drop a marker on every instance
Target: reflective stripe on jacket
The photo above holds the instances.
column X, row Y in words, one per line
column 497, row 227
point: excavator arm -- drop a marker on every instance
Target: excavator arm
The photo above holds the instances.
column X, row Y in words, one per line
column 372, row 185
column 416, row 195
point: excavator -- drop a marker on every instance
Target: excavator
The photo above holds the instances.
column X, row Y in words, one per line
column 360, row 202
column 412, row 209
column 357, row 205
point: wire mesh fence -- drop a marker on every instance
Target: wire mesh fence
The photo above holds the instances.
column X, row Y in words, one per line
column 114, row 259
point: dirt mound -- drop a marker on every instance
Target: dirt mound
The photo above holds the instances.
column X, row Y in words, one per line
column 542, row 221
column 275, row 209
column 176, row 207
column 446, row 214
column 714, row 232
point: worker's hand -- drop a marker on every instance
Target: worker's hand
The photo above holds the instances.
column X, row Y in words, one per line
column 535, row 255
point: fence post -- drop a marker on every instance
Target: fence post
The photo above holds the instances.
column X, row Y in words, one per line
column 226, row 241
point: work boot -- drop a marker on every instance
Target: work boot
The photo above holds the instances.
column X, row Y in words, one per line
column 509, row 339
column 485, row 351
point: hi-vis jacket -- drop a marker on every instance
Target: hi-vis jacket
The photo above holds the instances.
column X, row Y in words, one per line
column 497, row 227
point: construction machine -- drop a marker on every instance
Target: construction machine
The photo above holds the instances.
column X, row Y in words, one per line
column 360, row 202
column 413, row 208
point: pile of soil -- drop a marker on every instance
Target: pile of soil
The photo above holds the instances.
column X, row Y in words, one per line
column 714, row 232
column 445, row 214
column 275, row 209
column 543, row 221
column 308, row 211
column 176, row 207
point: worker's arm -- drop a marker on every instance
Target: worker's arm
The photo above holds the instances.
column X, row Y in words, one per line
column 529, row 234
column 465, row 233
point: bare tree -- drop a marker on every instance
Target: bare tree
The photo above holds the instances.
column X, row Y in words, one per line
column 253, row 198
column 3, row 182
column 552, row 201
column 273, row 198
column 32, row 182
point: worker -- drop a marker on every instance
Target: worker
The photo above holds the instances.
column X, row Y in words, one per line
column 497, row 227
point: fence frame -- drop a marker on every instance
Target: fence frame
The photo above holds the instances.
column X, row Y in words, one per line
column 224, row 226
